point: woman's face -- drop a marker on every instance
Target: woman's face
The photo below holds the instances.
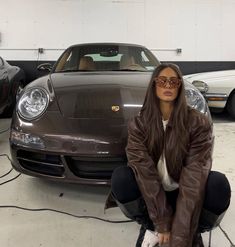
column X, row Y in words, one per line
column 167, row 85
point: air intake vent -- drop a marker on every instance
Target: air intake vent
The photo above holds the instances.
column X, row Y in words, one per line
column 41, row 163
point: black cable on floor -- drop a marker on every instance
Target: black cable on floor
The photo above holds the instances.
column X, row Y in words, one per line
column 49, row 209
column 4, row 175
column 226, row 235
column 65, row 213
column 3, row 131
column 10, row 180
column 5, row 155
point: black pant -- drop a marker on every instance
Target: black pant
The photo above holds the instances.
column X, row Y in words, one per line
column 217, row 191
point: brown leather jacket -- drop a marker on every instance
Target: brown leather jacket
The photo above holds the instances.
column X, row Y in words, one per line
column 192, row 178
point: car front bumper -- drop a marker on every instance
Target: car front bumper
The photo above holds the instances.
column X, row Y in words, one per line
column 65, row 167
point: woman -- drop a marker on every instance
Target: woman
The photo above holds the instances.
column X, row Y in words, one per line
column 169, row 153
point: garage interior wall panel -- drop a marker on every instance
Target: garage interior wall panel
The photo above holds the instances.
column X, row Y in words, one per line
column 171, row 25
column 203, row 29
column 227, row 31
column 208, row 30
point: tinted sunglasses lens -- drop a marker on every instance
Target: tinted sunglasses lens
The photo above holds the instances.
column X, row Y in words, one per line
column 161, row 81
column 174, row 82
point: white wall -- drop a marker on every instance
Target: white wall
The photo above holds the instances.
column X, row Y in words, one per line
column 203, row 29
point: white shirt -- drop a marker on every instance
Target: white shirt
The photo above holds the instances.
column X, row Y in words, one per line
column 167, row 182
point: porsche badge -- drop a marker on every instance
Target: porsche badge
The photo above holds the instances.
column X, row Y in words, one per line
column 115, row 108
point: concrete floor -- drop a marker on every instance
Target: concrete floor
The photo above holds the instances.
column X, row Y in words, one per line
column 49, row 229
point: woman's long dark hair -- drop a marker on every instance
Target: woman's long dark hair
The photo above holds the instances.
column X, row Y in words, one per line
column 174, row 142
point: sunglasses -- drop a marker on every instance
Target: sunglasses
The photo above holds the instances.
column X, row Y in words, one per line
column 173, row 82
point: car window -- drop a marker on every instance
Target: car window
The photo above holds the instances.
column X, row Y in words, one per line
column 146, row 60
column 106, row 57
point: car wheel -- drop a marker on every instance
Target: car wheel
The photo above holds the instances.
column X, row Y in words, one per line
column 231, row 105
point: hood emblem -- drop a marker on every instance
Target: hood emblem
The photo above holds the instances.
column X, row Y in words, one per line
column 115, row 108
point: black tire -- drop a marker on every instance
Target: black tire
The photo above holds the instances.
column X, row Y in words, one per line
column 231, row 105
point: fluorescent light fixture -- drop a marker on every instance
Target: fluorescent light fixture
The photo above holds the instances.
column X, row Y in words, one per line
column 132, row 105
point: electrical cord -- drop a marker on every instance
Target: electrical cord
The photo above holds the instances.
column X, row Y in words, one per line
column 65, row 213
column 4, row 175
column 226, row 235
column 58, row 211
column 7, row 173
column 49, row 209
column 10, row 180
column 3, row 131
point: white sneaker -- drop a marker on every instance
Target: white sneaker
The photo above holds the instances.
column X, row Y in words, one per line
column 150, row 239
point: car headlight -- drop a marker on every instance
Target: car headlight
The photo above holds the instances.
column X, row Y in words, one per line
column 195, row 99
column 33, row 103
column 201, row 86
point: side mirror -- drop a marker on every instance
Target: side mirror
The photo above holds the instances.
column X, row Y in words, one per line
column 46, row 67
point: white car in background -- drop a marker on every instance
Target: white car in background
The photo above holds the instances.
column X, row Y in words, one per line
column 217, row 87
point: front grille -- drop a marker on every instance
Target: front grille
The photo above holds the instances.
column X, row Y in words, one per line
column 94, row 168
column 41, row 163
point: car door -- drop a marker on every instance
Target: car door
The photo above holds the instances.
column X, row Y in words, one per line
column 4, row 85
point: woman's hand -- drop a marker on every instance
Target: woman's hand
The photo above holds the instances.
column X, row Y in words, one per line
column 163, row 238
column 150, row 239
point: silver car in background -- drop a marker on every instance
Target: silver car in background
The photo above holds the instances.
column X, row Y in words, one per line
column 218, row 89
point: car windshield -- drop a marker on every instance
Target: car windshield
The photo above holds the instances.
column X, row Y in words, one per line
column 106, row 58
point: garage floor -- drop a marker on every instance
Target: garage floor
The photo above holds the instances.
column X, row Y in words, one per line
column 50, row 229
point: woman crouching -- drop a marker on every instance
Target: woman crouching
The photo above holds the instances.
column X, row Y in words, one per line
column 168, row 179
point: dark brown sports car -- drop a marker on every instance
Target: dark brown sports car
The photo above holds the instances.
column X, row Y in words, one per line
column 12, row 80
column 71, row 125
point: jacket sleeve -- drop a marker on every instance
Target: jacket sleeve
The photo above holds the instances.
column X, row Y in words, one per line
column 147, row 178
column 192, row 183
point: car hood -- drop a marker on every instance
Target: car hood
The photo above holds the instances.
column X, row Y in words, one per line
column 100, row 95
column 210, row 76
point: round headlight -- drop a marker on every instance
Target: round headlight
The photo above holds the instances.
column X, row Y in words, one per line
column 201, row 86
column 33, row 103
column 195, row 99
